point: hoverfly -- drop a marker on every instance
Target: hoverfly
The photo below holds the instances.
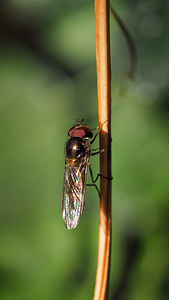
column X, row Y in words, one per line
column 77, row 154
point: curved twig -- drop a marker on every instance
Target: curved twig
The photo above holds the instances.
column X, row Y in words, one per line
column 130, row 43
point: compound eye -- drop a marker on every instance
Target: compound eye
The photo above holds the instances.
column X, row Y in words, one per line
column 81, row 132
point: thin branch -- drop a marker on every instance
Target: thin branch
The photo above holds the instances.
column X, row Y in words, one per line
column 130, row 43
column 104, row 111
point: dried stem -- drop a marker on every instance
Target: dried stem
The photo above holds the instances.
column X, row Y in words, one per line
column 104, row 110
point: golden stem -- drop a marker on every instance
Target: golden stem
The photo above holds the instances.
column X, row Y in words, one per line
column 104, row 111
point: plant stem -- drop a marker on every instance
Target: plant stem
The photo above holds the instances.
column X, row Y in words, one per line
column 104, row 111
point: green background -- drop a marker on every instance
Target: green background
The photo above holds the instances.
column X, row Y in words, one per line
column 47, row 79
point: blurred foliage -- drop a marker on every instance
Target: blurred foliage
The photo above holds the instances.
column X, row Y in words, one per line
column 47, row 79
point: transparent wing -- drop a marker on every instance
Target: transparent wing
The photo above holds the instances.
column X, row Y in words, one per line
column 74, row 192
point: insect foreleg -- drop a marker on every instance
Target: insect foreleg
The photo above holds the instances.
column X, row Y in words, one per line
column 92, row 129
column 98, row 132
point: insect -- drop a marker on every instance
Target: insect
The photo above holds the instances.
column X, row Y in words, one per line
column 77, row 154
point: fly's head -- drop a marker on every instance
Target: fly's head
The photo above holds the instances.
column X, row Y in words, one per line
column 80, row 130
column 78, row 145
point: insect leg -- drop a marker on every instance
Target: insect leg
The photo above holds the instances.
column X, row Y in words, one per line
column 98, row 132
column 95, row 153
column 98, row 175
column 95, row 128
